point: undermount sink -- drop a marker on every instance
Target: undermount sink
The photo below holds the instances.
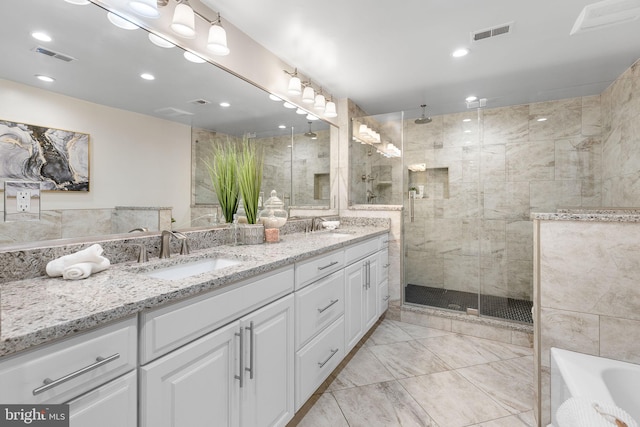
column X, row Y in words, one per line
column 192, row 268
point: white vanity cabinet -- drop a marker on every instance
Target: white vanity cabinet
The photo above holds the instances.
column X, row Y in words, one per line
column 363, row 279
column 383, row 275
column 94, row 372
column 241, row 374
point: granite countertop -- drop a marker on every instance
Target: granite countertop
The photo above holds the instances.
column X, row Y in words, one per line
column 594, row 215
column 36, row 311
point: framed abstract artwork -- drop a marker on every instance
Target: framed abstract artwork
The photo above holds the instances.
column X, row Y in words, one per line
column 58, row 159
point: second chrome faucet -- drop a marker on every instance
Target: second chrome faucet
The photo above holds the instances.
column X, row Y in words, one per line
column 165, row 243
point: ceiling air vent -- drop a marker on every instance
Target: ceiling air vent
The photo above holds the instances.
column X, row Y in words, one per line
column 491, row 32
column 51, row 53
column 606, row 13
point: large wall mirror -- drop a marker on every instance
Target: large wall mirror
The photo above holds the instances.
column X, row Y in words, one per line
column 98, row 62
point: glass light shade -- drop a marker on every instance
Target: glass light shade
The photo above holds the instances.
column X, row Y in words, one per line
column 274, row 97
column 300, row 111
column 308, row 95
column 192, row 57
column 330, row 109
column 312, row 117
column 289, row 105
column 295, row 86
column 120, row 22
column 320, row 103
column 159, row 41
column 147, row 8
column 184, row 21
column 217, row 41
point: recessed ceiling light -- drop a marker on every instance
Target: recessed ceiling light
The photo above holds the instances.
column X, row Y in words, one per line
column 282, row 127
column 274, row 97
column 39, row 35
column 542, row 119
column 471, row 98
column 45, row 78
column 467, row 131
column 225, row 104
column 121, row 22
column 459, row 53
column 288, row 105
column 147, row 76
column 466, row 120
column 193, row 57
column 160, row 42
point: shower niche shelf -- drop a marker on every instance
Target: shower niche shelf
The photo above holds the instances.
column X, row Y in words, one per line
column 434, row 180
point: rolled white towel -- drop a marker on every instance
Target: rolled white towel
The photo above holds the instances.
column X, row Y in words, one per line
column 578, row 412
column 91, row 254
column 82, row 270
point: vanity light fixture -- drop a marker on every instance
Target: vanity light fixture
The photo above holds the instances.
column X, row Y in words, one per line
column 192, row 57
column 43, row 37
column 295, row 85
column 44, row 78
column 184, row 20
column 308, row 95
column 330, row 109
column 146, row 8
column 320, row 102
column 217, row 41
column 160, row 42
column 121, row 22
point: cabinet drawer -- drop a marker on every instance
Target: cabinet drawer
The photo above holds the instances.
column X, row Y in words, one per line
column 316, row 360
column 360, row 250
column 383, row 241
column 315, row 268
column 318, row 305
column 75, row 365
column 170, row 327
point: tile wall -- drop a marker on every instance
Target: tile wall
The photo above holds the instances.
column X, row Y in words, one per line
column 587, row 290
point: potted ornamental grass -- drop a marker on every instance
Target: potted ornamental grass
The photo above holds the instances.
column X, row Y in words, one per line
column 250, row 167
column 222, row 166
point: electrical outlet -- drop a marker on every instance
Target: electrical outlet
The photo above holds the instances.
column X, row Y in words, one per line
column 24, row 200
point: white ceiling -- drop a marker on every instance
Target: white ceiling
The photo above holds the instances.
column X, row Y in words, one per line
column 395, row 55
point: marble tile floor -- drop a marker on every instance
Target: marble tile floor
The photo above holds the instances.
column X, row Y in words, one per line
column 408, row 375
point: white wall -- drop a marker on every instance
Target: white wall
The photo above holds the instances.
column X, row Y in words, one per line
column 135, row 160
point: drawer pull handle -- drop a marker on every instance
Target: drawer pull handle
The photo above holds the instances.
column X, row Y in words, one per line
column 386, row 265
column 386, row 298
column 323, row 309
column 328, row 265
column 333, row 353
column 49, row 383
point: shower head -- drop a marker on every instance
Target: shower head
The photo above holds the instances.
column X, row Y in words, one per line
column 310, row 134
column 423, row 120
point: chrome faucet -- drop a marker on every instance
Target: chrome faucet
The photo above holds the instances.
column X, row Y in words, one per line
column 316, row 223
column 165, row 243
column 143, row 229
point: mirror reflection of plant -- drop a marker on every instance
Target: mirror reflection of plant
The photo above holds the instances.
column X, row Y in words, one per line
column 223, row 171
column 250, row 166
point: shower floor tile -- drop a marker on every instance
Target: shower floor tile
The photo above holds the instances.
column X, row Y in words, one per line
column 491, row 306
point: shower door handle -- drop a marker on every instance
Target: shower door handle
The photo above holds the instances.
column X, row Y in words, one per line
column 411, row 202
